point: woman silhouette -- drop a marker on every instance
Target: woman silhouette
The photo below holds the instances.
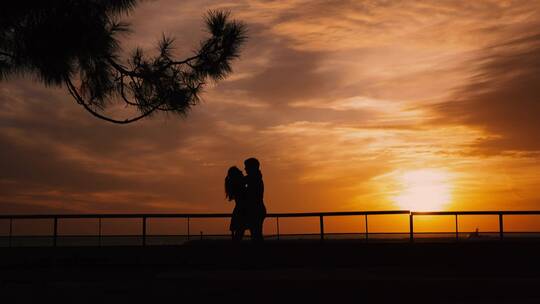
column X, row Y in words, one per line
column 235, row 189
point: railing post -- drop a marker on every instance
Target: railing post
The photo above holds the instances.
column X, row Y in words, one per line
column 10, row 231
column 457, row 231
column 99, row 228
column 55, row 233
column 411, row 228
column 367, row 233
column 144, row 231
column 277, row 226
column 321, row 221
column 188, row 228
column 501, row 228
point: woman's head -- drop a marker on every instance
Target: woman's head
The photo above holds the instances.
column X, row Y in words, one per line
column 233, row 182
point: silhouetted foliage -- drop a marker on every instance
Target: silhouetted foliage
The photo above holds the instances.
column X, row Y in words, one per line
column 75, row 43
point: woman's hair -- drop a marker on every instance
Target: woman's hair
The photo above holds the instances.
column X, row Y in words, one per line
column 233, row 182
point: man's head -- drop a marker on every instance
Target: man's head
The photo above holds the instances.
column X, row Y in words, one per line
column 251, row 165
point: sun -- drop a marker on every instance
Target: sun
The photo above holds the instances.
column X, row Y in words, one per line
column 423, row 190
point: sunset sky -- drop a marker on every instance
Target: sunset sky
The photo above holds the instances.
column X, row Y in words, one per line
column 349, row 105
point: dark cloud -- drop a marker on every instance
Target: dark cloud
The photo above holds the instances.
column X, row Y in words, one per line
column 52, row 150
column 290, row 75
column 43, row 166
column 502, row 98
column 277, row 75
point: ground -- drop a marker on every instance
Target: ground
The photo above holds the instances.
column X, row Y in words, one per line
column 459, row 272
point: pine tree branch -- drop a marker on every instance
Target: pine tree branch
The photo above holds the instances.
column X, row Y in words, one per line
column 73, row 91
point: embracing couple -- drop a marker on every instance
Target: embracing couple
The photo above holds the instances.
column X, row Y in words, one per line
column 247, row 192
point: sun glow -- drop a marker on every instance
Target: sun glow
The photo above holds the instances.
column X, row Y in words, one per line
column 423, row 190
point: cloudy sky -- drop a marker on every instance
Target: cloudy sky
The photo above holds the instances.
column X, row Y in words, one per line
column 349, row 105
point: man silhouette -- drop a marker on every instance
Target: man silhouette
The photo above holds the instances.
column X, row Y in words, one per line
column 254, row 198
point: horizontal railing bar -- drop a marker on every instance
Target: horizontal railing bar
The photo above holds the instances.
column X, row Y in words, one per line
column 343, row 213
column 537, row 212
column 270, row 215
column 113, row 216
column 194, row 215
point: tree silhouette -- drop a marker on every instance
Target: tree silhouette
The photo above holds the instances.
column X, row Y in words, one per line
column 75, row 43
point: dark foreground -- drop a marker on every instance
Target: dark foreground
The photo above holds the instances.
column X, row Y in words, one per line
column 472, row 272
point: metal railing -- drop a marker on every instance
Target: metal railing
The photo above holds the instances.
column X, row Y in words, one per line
column 321, row 215
column 499, row 214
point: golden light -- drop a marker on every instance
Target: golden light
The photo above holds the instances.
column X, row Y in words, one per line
column 423, row 190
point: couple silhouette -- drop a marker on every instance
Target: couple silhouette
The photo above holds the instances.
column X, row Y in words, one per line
column 247, row 192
